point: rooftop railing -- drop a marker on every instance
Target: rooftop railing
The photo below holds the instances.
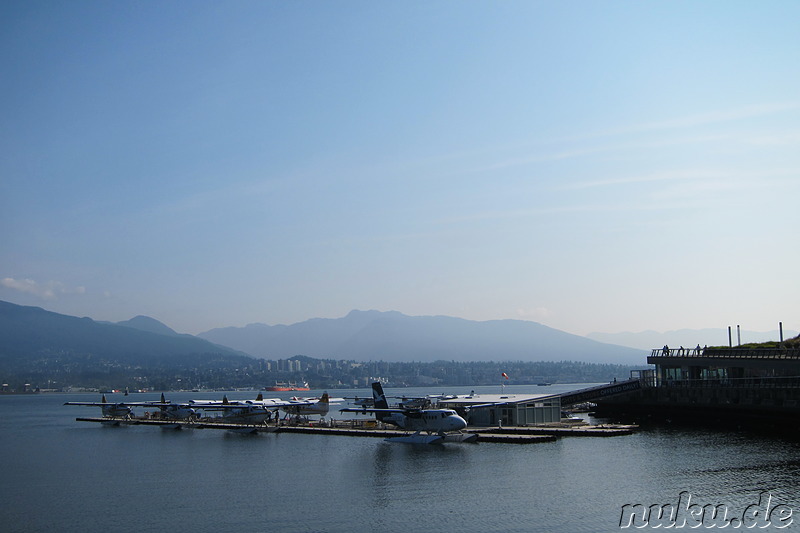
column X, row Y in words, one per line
column 729, row 353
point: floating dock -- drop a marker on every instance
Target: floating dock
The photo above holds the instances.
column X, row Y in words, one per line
column 179, row 424
column 603, row 430
column 515, row 435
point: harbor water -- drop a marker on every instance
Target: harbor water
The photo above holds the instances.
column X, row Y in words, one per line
column 59, row 474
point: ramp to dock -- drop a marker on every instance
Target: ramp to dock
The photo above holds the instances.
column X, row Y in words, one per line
column 601, row 391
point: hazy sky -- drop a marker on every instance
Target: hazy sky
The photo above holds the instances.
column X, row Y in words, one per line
column 590, row 165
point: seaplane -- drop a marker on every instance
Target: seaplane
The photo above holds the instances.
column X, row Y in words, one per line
column 109, row 409
column 236, row 411
column 310, row 406
column 363, row 401
column 173, row 411
column 117, row 410
column 261, row 410
column 429, row 426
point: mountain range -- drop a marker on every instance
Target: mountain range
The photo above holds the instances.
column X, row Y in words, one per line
column 393, row 336
column 32, row 331
column 359, row 336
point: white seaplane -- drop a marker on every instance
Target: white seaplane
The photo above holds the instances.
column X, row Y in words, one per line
column 429, row 426
column 173, row 411
column 261, row 410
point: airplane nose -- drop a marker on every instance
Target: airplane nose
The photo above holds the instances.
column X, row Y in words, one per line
column 457, row 423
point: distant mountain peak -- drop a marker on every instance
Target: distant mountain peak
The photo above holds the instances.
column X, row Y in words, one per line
column 25, row 331
column 146, row 323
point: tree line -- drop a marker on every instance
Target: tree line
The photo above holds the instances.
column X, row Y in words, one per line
column 224, row 372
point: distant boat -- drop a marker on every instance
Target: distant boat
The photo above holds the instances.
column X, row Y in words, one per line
column 287, row 387
column 544, row 384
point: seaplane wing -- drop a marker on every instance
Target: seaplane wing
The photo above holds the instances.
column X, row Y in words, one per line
column 104, row 403
column 316, row 399
column 95, row 404
column 110, row 409
column 260, row 402
column 126, row 404
column 412, row 412
column 240, row 413
column 269, row 403
column 295, row 406
column 228, row 406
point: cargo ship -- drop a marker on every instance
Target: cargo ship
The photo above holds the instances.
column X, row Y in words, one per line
column 287, row 387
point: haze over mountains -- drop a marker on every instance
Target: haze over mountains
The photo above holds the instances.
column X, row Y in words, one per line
column 393, row 336
column 689, row 338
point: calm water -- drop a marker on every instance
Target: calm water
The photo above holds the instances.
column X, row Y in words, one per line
column 68, row 476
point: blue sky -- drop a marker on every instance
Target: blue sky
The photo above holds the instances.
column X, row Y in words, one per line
column 592, row 166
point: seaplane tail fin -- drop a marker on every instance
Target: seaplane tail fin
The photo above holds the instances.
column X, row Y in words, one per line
column 163, row 400
column 103, row 399
column 380, row 400
column 322, row 405
column 260, row 397
column 225, row 400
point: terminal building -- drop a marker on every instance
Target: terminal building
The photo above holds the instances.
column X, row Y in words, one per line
column 725, row 366
column 734, row 383
column 487, row 410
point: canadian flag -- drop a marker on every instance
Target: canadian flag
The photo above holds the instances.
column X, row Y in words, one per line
column 504, row 375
